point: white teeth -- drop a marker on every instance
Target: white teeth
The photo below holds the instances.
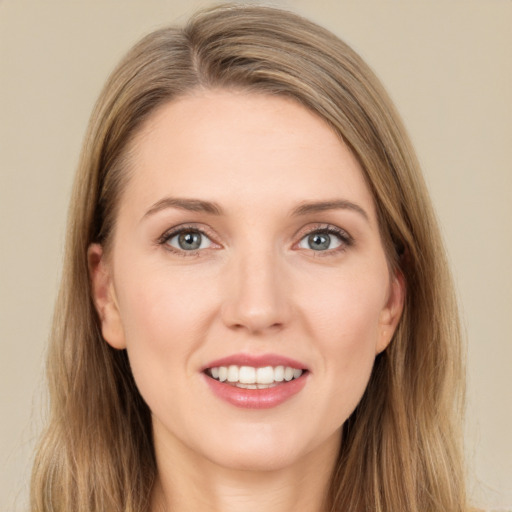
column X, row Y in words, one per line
column 247, row 386
column 279, row 373
column 233, row 374
column 254, row 386
column 248, row 377
column 223, row 373
column 265, row 375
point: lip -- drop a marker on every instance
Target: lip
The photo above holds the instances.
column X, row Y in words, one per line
column 256, row 398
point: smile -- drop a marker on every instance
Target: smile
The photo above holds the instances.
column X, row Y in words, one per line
column 250, row 377
column 256, row 382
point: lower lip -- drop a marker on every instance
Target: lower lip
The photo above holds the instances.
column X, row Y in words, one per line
column 257, row 398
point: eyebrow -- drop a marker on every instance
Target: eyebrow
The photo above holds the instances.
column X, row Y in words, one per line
column 321, row 206
column 199, row 205
column 191, row 205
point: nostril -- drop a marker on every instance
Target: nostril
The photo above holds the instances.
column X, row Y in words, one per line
column 257, row 327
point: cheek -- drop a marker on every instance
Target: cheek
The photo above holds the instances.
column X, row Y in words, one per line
column 345, row 324
column 156, row 302
column 349, row 341
column 345, row 311
column 164, row 320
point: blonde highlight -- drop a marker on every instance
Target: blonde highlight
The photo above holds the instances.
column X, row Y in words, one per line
column 401, row 446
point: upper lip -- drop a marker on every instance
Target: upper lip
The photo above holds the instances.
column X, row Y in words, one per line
column 256, row 361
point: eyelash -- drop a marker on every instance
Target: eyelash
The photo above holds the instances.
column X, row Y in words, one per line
column 168, row 235
column 345, row 239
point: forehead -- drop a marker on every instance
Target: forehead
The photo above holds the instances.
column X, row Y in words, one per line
column 246, row 148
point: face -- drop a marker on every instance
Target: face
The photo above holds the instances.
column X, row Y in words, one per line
column 247, row 280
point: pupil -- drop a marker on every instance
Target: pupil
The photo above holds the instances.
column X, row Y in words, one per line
column 319, row 242
column 189, row 240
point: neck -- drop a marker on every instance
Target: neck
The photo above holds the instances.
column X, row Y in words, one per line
column 206, row 486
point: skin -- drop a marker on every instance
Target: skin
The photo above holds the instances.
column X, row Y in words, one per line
column 256, row 286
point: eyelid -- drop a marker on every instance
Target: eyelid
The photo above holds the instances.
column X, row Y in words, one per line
column 344, row 236
column 176, row 230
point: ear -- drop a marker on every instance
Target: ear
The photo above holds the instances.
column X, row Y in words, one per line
column 392, row 312
column 105, row 298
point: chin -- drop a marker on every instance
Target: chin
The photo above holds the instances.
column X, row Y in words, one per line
column 257, row 460
column 269, row 450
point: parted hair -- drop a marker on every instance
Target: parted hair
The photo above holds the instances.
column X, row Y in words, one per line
column 400, row 449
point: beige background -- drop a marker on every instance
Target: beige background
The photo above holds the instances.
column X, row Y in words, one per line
column 447, row 64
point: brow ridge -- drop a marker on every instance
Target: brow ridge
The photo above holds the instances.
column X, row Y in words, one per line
column 199, row 205
column 321, row 206
column 192, row 205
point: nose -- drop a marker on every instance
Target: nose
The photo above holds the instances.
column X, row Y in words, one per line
column 257, row 296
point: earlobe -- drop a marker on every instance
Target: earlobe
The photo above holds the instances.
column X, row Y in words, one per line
column 104, row 297
column 392, row 312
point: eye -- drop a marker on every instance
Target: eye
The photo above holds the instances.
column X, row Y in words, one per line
column 325, row 239
column 188, row 240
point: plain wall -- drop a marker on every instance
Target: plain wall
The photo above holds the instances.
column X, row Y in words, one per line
column 446, row 64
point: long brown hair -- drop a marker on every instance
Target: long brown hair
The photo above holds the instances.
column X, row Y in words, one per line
column 401, row 446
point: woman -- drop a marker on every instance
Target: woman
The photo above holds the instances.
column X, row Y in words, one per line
column 255, row 312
